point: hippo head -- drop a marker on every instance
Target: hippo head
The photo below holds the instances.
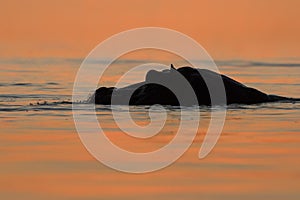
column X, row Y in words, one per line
column 156, row 76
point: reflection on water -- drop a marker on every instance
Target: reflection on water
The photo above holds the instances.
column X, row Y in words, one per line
column 257, row 156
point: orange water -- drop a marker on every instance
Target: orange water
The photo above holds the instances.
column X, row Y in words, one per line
column 42, row 157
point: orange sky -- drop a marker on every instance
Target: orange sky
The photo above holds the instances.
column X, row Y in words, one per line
column 227, row 29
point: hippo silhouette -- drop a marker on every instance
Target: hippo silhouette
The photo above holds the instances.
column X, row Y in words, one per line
column 149, row 93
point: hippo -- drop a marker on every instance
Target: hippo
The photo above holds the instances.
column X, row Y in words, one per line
column 149, row 92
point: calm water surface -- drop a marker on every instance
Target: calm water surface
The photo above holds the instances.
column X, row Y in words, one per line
column 256, row 157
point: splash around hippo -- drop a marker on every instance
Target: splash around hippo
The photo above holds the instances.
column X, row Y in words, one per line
column 150, row 93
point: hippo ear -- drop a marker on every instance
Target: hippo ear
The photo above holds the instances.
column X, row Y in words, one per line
column 172, row 67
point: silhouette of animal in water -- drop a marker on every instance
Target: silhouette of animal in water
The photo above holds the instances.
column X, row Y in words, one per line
column 149, row 93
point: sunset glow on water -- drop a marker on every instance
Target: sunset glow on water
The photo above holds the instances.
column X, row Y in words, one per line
column 42, row 46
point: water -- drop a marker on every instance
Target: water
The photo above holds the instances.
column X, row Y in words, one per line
column 256, row 157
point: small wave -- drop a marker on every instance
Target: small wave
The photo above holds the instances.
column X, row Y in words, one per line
column 28, row 84
column 52, row 83
column 280, row 105
column 21, row 84
column 38, row 103
column 245, row 63
column 64, row 105
column 32, row 96
column 13, row 108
